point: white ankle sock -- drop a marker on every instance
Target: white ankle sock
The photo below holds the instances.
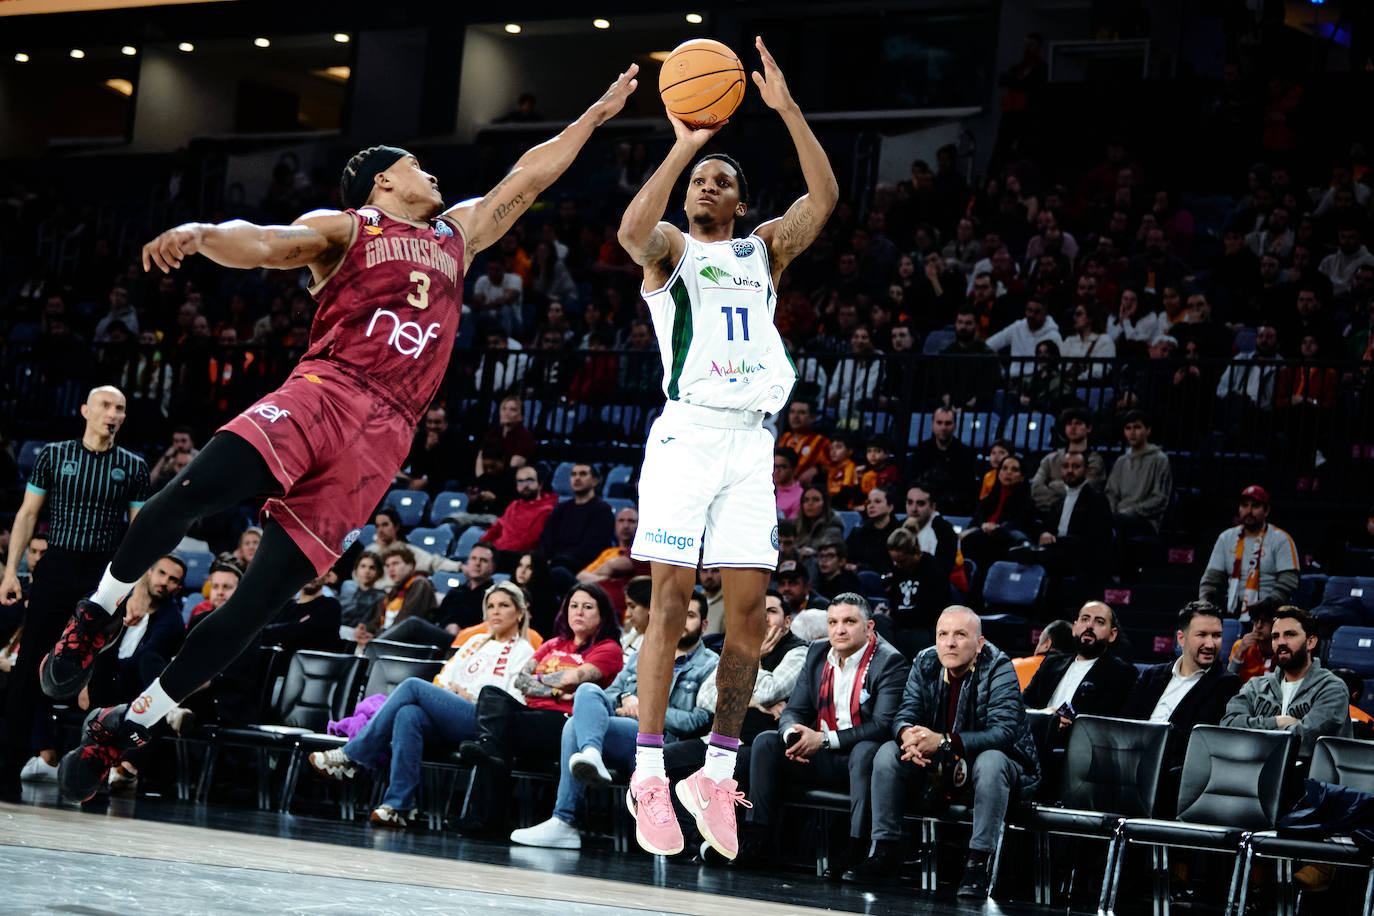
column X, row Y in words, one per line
column 110, row 591
column 720, row 763
column 649, row 761
column 152, row 704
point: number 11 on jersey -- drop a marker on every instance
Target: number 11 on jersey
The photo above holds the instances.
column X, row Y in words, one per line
column 730, row 322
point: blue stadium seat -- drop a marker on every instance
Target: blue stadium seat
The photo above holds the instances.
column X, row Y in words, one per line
column 562, row 478
column 1353, row 648
column 977, row 430
column 1030, row 431
column 435, row 540
column 625, row 416
column 920, row 428
column 850, row 518
column 197, row 567
column 1095, row 399
column 449, row 502
column 1361, row 588
column 465, row 541
column 561, row 421
column 1245, row 340
column 444, row 582
column 1013, row 587
column 410, row 504
column 28, row 454
column 619, row 474
column 936, row 341
column 871, row 583
column 617, row 503
column 960, row 522
column 500, row 577
column 367, row 535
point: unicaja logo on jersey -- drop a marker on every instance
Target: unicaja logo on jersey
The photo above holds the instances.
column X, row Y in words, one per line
column 715, row 274
column 408, row 338
column 669, row 539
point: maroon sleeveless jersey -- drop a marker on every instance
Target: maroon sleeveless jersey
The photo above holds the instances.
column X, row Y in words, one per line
column 388, row 312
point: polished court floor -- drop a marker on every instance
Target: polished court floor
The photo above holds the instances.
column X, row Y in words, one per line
column 153, row 856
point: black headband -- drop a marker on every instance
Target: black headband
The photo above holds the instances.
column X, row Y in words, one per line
column 360, row 174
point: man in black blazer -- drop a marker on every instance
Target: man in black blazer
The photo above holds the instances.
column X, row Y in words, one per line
column 1193, row 690
column 1078, row 536
column 839, row 713
column 1093, row 680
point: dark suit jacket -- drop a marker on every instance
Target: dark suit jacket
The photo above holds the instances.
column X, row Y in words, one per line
column 120, row 680
column 883, row 681
column 1090, row 526
column 1203, row 705
column 1102, row 692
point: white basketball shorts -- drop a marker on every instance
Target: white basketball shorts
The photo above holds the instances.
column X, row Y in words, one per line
column 706, row 490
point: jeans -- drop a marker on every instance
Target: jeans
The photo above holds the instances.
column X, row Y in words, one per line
column 993, row 774
column 416, row 712
column 593, row 724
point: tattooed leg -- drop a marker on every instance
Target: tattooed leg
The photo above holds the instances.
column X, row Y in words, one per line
column 739, row 661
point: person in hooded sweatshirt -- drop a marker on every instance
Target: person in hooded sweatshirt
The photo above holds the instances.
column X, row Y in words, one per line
column 1141, row 481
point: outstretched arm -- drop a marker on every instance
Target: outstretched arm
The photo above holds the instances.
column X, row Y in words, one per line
column 486, row 220
column 790, row 234
column 317, row 240
column 651, row 243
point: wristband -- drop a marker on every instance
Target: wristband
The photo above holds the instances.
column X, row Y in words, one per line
column 539, row 678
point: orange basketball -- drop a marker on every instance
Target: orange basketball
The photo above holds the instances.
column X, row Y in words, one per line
column 702, row 82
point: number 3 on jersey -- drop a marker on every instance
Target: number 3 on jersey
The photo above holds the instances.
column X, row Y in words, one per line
column 420, row 298
column 730, row 322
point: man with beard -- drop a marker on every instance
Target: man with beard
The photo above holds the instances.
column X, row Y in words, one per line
column 1299, row 696
column 1250, row 561
column 1193, row 690
column 1093, row 681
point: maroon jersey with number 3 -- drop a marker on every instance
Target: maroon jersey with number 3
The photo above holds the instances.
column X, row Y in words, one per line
column 337, row 431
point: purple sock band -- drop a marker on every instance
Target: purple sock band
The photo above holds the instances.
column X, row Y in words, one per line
column 723, row 741
column 646, row 740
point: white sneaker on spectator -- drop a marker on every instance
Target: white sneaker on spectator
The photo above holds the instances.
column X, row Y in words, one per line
column 387, row 816
column 333, row 764
column 588, row 768
column 180, row 720
column 38, row 770
column 552, row 834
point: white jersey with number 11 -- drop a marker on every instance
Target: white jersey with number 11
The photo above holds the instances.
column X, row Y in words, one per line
column 714, row 321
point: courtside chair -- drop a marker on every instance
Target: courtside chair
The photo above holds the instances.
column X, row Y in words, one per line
column 1230, row 787
column 1343, row 762
column 1013, row 587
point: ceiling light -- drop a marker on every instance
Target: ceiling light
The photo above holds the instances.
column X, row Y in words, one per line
column 513, row 28
column 77, row 53
column 262, row 42
column 186, row 46
column 21, row 57
column 128, row 50
column 694, row 18
column 601, row 23
column 123, row 87
column 341, row 37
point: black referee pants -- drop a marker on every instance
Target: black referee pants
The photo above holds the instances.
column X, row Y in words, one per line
column 60, row 580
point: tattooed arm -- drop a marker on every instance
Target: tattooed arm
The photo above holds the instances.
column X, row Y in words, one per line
column 555, row 682
column 484, row 221
column 790, row 235
column 317, row 240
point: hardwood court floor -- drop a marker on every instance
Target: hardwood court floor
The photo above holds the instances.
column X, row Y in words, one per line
column 154, row 856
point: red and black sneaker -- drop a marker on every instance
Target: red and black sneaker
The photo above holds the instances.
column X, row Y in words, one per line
column 67, row 668
column 105, row 738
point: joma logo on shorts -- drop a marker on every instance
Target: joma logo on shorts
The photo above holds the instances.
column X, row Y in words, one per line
column 671, row 540
column 271, row 412
column 407, row 337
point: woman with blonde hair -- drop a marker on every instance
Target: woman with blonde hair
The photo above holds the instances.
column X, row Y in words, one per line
column 443, row 711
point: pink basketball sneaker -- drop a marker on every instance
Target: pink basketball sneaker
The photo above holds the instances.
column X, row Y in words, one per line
column 656, row 825
column 713, row 803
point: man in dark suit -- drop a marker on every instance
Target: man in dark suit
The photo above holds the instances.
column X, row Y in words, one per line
column 1078, row 539
column 839, row 713
column 1093, row 680
column 1193, row 690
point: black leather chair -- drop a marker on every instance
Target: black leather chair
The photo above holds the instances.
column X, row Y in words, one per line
column 379, row 647
column 1230, row 787
column 1110, row 771
column 386, row 672
column 317, row 687
column 1345, row 762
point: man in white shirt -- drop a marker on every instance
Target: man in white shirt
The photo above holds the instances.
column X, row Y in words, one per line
column 1092, row 681
column 1340, row 265
column 1024, row 334
column 839, row 714
column 500, row 293
column 1193, row 690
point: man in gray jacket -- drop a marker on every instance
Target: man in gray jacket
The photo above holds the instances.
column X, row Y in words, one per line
column 1299, row 695
column 1141, row 481
column 961, row 727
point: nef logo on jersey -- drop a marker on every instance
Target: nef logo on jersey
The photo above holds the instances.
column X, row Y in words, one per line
column 270, row 412
column 668, row 539
column 407, row 337
column 742, row 248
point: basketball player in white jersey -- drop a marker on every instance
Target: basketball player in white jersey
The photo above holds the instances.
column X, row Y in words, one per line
column 707, row 481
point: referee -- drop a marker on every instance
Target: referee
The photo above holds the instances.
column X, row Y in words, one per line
column 93, row 488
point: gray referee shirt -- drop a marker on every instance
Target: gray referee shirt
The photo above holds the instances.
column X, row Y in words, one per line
column 89, row 493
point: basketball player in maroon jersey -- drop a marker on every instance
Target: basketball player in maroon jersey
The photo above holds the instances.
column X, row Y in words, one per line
column 324, row 447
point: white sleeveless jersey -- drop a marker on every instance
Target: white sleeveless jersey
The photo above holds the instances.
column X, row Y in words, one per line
column 714, row 321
